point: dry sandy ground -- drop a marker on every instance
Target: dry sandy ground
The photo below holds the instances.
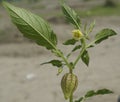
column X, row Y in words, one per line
column 23, row 79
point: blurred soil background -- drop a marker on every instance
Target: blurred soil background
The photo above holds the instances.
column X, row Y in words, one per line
column 23, row 79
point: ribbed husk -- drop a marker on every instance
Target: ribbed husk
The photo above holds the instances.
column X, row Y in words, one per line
column 69, row 84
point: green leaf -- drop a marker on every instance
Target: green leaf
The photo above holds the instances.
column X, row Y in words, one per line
column 56, row 63
column 85, row 28
column 90, row 93
column 76, row 48
column 90, row 46
column 71, row 15
column 80, row 100
column 85, row 57
column 32, row 26
column 104, row 34
column 98, row 92
column 70, row 42
column 68, row 55
column 104, row 91
column 92, row 25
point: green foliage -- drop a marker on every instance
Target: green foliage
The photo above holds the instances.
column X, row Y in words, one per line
column 80, row 100
column 85, row 57
column 56, row 63
column 32, row 26
column 70, row 42
column 71, row 15
column 90, row 29
column 35, row 28
column 92, row 93
column 103, row 91
column 77, row 47
column 104, row 34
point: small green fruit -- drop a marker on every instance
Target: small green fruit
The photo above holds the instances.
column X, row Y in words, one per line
column 69, row 84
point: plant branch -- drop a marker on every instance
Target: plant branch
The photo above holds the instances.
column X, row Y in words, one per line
column 82, row 51
column 84, row 47
column 65, row 60
column 90, row 44
column 76, row 61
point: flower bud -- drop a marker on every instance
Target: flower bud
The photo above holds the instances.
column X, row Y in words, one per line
column 77, row 34
column 69, row 84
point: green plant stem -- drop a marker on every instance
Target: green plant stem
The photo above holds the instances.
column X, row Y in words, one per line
column 71, row 98
column 83, row 100
column 90, row 44
column 84, row 47
column 82, row 51
column 65, row 60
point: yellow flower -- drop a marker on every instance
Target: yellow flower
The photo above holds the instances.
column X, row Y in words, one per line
column 77, row 34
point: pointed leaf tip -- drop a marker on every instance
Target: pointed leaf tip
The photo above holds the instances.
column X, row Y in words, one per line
column 56, row 63
column 70, row 15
